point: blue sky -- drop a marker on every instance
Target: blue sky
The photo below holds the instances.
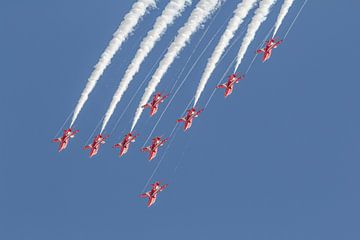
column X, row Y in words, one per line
column 276, row 160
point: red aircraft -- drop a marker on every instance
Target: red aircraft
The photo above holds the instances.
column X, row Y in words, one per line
column 125, row 143
column 229, row 85
column 95, row 145
column 152, row 194
column 154, row 104
column 64, row 140
column 153, row 148
column 270, row 45
column 191, row 114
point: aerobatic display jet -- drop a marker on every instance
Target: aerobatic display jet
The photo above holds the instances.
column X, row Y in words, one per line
column 229, row 85
column 153, row 148
column 154, row 104
column 95, row 145
column 270, row 45
column 191, row 114
column 64, row 140
column 152, row 194
column 125, row 143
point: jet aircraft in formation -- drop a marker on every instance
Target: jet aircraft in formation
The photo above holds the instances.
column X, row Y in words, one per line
column 229, row 85
column 154, row 104
column 188, row 119
column 269, row 46
column 158, row 141
column 64, row 140
column 156, row 188
column 95, row 145
column 125, row 143
column 153, row 148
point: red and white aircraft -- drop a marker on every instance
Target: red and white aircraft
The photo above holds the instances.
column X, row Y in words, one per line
column 95, row 145
column 229, row 85
column 125, row 143
column 191, row 114
column 154, row 104
column 64, row 140
column 270, row 45
column 156, row 142
column 152, row 194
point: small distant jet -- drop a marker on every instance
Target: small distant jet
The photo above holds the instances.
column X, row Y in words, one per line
column 95, row 145
column 229, row 85
column 191, row 114
column 125, row 143
column 154, row 104
column 270, row 45
column 152, row 194
column 153, row 148
column 64, row 140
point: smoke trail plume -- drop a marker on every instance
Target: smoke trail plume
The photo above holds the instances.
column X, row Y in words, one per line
column 259, row 17
column 173, row 9
column 239, row 15
column 202, row 10
column 126, row 27
column 283, row 11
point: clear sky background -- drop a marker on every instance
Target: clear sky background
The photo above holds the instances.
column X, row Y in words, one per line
column 277, row 160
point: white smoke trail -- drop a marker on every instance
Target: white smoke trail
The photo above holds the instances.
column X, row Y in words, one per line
column 239, row 15
column 126, row 27
column 260, row 16
column 173, row 9
column 293, row 22
column 283, row 11
column 202, row 10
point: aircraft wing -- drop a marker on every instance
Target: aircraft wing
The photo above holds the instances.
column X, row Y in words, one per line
column 75, row 132
column 145, row 149
column 163, row 187
column 145, row 195
column 221, row 86
column 181, row 120
column 88, row 146
column 198, row 112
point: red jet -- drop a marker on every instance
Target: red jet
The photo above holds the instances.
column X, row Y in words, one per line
column 125, row 143
column 64, row 140
column 152, row 194
column 154, row 104
column 95, row 145
column 229, row 85
column 191, row 114
column 270, row 45
column 153, row 148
